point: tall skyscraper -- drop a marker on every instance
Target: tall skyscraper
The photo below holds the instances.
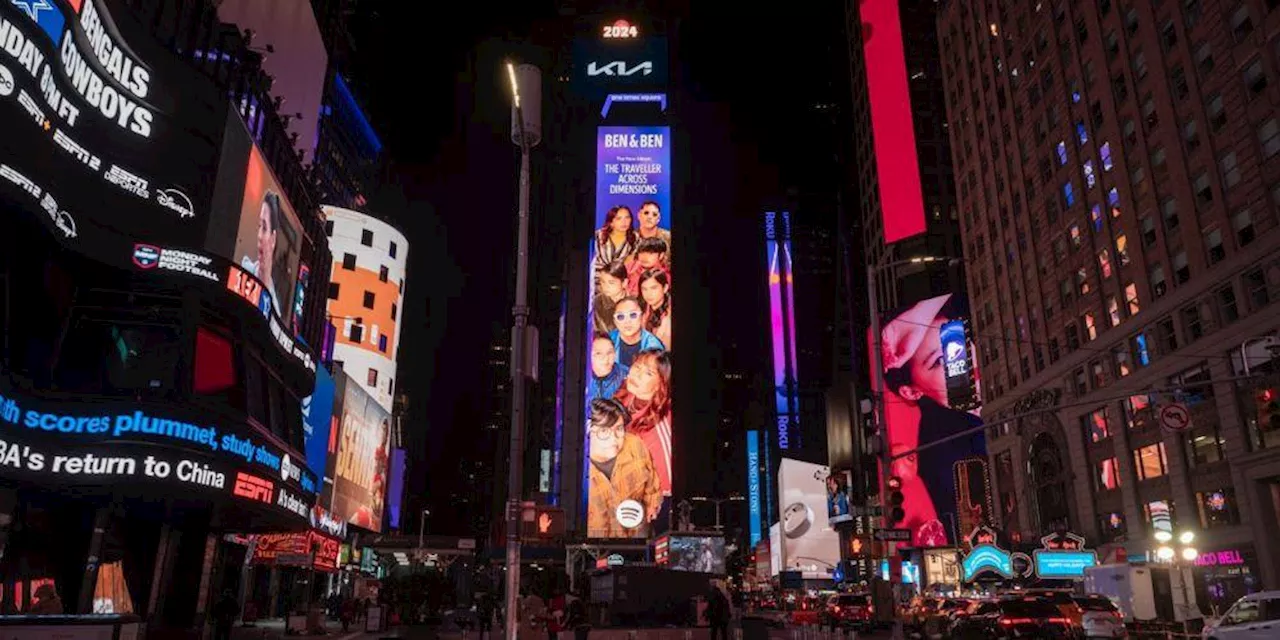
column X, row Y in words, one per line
column 1117, row 178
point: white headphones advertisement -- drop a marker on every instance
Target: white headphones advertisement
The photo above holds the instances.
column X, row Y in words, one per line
column 808, row 542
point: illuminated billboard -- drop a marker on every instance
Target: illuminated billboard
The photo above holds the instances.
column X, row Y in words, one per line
column 628, row 454
column 753, row 487
column 945, row 486
column 777, row 233
column 699, row 554
column 105, row 132
column 894, row 138
column 808, row 543
column 359, row 468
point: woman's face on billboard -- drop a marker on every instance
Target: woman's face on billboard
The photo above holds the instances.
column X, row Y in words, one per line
column 621, row 220
column 928, row 375
column 652, row 291
column 642, row 379
column 266, row 237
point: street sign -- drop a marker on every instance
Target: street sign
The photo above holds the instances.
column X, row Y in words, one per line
column 892, row 535
column 1175, row 417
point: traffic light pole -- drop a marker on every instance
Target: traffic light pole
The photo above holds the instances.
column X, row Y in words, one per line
column 878, row 411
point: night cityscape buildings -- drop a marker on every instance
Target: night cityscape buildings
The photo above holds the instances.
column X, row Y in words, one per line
column 1116, row 187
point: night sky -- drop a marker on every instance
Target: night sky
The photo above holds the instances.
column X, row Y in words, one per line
column 445, row 126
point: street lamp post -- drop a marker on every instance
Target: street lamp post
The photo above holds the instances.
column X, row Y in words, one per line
column 526, row 133
column 1185, row 552
column 718, row 501
column 877, row 401
column 422, row 528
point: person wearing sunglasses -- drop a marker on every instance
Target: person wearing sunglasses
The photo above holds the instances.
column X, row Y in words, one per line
column 630, row 337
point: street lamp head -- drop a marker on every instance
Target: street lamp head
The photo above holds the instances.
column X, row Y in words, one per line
column 515, row 86
column 1187, row 537
column 1163, row 536
column 1165, row 553
column 1190, row 554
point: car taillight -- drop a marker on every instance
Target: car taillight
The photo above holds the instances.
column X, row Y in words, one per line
column 871, row 609
column 1009, row 622
column 1059, row 621
column 835, row 609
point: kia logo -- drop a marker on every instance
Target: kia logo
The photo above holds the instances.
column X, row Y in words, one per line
column 619, row 68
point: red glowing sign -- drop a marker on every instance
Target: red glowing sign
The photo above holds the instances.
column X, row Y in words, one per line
column 253, row 488
column 243, row 285
column 901, row 199
column 619, row 30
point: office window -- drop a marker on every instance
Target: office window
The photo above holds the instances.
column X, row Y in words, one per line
column 1213, row 246
column 1095, row 424
column 1068, row 193
column 1150, row 461
column 1269, row 138
column 1122, row 250
column 1181, row 270
column 366, row 237
column 1104, row 263
column 333, row 291
column 392, row 249
column 1131, row 299
column 1230, row 170
column 1218, row 508
column 1255, row 283
column 383, row 273
column 1158, row 286
column 349, row 261
column 356, row 334
column 1148, row 231
column 395, row 309
column 368, row 299
column 1107, row 475
column 1104, row 152
column 372, row 377
column 382, row 343
column 1062, row 153
column 1255, row 79
column 328, row 228
column 1228, row 310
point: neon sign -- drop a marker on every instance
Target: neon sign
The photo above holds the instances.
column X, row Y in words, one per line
column 987, row 558
column 619, row 30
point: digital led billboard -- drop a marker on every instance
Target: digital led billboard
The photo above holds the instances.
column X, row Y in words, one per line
column 754, row 510
column 808, row 543
column 360, row 464
column 700, row 554
column 628, row 454
column 105, row 132
column 782, row 323
column 922, row 404
column 317, row 416
column 893, row 129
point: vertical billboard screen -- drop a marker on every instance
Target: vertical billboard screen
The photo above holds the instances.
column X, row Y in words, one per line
column 360, row 470
column 628, row 432
column 901, row 198
column 753, row 486
column 269, row 239
column 929, row 394
column 809, row 544
column 317, row 413
column 777, row 233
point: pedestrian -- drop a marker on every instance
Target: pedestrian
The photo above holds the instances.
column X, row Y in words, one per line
column 484, row 615
column 556, row 612
column 348, row 613
column 224, row 613
column 578, row 619
column 718, row 612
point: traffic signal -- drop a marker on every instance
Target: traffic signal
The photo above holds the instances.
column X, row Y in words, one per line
column 893, row 513
column 547, row 525
column 1268, row 403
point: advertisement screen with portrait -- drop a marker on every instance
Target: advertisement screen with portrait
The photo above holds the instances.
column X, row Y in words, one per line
column 808, row 542
column 699, row 554
column 360, row 468
column 628, row 463
column 269, row 239
column 838, row 484
column 932, row 392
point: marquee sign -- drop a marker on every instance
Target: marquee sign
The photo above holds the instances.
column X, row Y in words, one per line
column 129, row 443
column 1063, row 556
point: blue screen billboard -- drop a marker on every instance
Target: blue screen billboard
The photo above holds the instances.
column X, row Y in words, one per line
column 317, row 416
column 753, row 486
column 628, row 431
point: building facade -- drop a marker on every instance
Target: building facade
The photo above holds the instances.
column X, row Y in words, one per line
column 366, row 295
column 1116, row 165
column 168, row 267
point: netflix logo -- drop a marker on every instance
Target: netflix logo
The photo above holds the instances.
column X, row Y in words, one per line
column 254, row 488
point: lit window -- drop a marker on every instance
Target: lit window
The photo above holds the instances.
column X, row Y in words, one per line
column 1122, row 250
column 1108, row 474
column 1104, row 263
column 1075, row 236
column 1105, row 152
column 1090, row 180
column 1095, row 217
column 1113, row 311
column 1062, row 152
column 1090, row 326
column 1082, row 133
column 1159, row 513
column 1068, row 193
column 1082, row 281
column 1121, row 358
column 1150, row 461
column 1140, row 349
column 1096, row 423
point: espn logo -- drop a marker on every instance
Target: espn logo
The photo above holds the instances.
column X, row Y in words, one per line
column 253, row 488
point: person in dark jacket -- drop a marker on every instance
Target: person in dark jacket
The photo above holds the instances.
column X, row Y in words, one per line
column 225, row 611
column 718, row 613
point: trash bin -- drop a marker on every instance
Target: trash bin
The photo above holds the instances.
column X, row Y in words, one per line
column 754, row 628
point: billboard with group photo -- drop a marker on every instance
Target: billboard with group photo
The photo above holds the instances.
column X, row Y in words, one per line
column 359, row 459
column 932, row 392
column 628, row 465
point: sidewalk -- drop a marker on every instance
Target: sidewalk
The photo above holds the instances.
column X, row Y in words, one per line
column 273, row 629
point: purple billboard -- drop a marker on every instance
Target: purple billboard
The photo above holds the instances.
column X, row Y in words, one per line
column 627, row 465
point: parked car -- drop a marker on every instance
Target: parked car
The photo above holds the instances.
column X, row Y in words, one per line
column 1101, row 618
column 1253, row 617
